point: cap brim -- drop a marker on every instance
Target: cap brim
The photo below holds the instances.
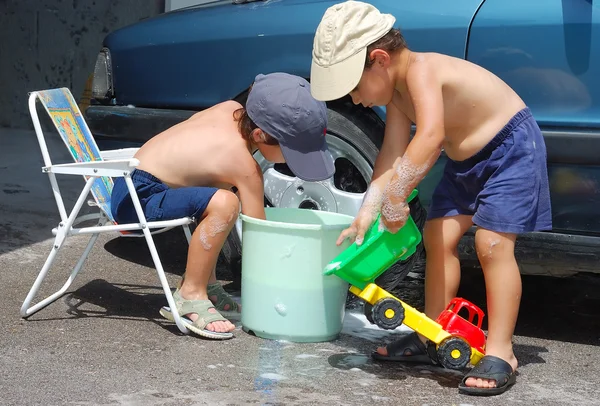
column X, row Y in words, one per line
column 336, row 81
column 310, row 166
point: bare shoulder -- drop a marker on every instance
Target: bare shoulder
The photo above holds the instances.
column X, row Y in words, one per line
column 230, row 105
column 425, row 66
column 426, row 73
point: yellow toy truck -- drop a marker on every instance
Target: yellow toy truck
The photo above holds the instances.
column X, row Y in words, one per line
column 453, row 340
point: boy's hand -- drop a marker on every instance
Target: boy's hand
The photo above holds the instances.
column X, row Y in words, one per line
column 394, row 213
column 358, row 228
column 365, row 218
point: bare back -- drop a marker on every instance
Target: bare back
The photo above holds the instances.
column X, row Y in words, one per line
column 205, row 150
column 477, row 104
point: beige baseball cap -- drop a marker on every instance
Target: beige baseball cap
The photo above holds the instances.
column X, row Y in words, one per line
column 340, row 47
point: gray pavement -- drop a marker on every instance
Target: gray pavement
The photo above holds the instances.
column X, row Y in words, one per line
column 104, row 343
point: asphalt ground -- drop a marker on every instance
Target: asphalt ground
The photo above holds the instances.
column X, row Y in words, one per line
column 104, row 343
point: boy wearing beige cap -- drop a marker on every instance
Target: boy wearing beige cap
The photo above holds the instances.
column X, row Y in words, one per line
column 495, row 177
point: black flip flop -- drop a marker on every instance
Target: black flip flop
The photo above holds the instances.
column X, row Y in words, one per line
column 490, row 367
column 397, row 351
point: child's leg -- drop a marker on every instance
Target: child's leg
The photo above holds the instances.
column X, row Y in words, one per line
column 217, row 295
column 442, row 269
column 206, row 243
column 442, row 272
column 496, row 253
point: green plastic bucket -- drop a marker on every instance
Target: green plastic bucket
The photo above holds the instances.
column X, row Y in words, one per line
column 285, row 295
column 361, row 265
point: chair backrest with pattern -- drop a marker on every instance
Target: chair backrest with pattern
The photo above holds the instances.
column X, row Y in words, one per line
column 73, row 129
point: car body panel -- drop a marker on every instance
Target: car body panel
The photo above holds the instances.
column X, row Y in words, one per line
column 216, row 50
column 549, row 53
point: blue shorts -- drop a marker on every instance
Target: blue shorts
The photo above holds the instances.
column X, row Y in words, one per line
column 504, row 186
column 158, row 201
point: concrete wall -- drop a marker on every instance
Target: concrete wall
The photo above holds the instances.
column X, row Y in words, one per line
column 177, row 4
column 54, row 43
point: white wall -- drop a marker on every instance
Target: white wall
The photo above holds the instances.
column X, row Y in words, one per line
column 49, row 43
column 175, row 4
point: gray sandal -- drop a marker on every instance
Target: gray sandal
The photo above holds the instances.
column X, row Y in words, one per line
column 223, row 299
column 201, row 308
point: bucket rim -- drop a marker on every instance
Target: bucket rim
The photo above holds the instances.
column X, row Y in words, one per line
column 299, row 226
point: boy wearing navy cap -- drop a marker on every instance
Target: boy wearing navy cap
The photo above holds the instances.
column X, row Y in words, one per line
column 189, row 170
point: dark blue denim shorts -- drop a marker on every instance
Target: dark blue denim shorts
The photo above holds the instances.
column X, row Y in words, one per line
column 504, row 186
column 158, row 201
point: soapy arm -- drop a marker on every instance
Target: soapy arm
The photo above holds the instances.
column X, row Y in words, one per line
column 396, row 138
column 423, row 151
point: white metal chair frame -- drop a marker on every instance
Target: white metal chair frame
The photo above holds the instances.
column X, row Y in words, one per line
column 115, row 163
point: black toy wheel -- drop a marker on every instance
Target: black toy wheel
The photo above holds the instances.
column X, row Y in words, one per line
column 368, row 311
column 454, row 353
column 388, row 313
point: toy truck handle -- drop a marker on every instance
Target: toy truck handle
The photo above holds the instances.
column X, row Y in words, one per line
column 458, row 303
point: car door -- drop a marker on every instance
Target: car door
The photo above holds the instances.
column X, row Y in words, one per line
column 548, row 51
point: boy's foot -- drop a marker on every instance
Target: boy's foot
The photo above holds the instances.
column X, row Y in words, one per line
column 201, row 317
column 222, row 300
column 491, row 376
column 409, row 348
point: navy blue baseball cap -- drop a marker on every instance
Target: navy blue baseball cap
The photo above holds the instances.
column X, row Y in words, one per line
column 282, row 106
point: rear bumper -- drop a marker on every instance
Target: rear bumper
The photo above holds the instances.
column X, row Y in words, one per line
column 545, row 253
column 132, row 125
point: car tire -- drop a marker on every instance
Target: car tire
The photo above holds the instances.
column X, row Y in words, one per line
column 364, row 130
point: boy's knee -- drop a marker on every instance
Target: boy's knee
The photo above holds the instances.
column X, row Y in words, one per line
column 490, row 244
column 225, row 203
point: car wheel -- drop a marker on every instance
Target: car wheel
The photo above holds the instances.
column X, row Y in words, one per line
column 354, row 135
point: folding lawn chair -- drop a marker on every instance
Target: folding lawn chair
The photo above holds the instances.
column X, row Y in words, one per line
column 98, row 168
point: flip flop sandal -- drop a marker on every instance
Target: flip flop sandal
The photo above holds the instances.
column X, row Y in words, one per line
column 201, row 308
column 397, row 351
column 489, row 367
column 223, row 299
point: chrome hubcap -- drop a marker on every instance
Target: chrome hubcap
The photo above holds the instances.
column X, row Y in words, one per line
column 285, row 191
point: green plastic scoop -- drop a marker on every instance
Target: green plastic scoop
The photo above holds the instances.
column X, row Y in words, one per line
column 361, row 265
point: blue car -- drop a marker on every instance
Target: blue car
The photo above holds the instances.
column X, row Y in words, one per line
column 158, row 72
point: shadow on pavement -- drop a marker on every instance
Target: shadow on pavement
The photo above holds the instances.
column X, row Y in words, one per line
column 171, row 247
column 100, row 298
column 397, row 371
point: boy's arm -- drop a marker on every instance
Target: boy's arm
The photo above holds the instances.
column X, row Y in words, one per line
column 425, row 90
column 395, row 140
column 248, row 180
